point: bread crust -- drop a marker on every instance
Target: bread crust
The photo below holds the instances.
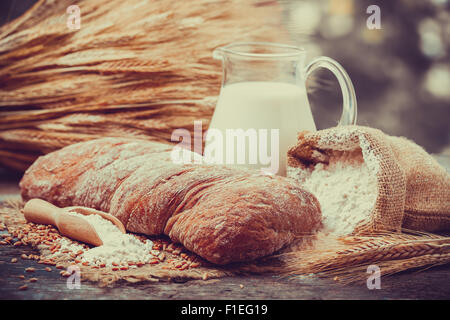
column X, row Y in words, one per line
column 222, row 214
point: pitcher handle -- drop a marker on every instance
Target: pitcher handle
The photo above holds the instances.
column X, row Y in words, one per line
column 348, row 91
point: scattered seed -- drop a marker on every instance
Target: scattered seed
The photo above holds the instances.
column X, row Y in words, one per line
column 183, row 267
column 13, row 260
column 21, row 277
column 30, row 269
column 205, row 276
column 48, row 269
column 24, row 287
column 33, row 279
column 241, row 286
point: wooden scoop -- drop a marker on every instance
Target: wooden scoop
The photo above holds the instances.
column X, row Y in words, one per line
column 43, row 212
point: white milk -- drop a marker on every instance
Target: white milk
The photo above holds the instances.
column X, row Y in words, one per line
column 262, row 105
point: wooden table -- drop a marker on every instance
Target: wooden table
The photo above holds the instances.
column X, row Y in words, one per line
column 431, row 284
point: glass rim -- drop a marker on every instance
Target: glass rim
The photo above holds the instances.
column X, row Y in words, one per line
column 286, row 51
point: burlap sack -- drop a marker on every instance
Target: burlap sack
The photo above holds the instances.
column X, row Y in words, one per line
column 413, row 189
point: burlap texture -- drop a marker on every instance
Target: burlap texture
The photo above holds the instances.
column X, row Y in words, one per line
column 12, row 217
column 413, row 189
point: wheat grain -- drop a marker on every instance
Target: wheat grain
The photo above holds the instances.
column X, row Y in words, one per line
column 142, row 68
column 347, row 258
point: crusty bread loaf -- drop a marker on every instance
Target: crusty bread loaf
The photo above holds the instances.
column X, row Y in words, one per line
column 222, row 214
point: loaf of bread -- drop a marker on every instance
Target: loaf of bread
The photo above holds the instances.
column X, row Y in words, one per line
column 222, row 214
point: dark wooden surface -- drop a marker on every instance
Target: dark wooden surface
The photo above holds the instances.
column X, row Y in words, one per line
column 433, row 283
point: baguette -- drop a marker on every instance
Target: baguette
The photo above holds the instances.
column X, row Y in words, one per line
column 222, row 214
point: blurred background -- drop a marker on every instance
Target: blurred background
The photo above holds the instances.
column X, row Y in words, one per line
column 401, row 72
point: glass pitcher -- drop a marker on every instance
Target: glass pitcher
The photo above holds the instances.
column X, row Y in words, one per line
column 263, row 104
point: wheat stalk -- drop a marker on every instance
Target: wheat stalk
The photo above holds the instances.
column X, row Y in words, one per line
column 142, row 69
column 135, row 69
column 347, row 258
column 387, row 268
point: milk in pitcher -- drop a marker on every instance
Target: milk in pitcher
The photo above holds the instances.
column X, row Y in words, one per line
column 262, row 105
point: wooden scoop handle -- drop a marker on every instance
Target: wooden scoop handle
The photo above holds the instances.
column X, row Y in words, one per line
column 43, row 212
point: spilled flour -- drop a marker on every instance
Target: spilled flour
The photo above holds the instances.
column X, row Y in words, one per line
column 117, row 249
column 346, row 191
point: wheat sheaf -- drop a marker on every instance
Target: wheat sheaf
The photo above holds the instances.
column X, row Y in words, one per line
column 134, row 68
column 141, row 69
